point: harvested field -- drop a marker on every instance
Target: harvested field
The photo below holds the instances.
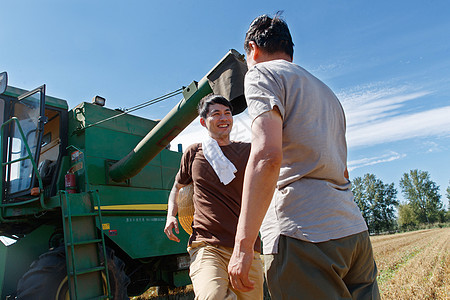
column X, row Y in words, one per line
column 412, row 265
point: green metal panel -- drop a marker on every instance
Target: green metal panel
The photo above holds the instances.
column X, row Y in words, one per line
column 16, row 259
column 142, row 235
column 170, row 162
column 102, row 142
column 136, row 216
column 115, row 195
column 150, row 177
column 132, row 216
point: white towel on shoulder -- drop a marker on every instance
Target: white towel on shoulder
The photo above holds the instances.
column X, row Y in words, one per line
column 223, row 167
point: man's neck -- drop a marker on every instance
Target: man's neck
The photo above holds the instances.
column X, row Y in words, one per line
column 264, row 56
column 223, row 141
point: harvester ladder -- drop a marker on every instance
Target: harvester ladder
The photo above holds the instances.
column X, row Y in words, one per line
column 86, row 255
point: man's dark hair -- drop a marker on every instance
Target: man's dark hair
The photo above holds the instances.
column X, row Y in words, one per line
column 203, row 106
column 270, row 34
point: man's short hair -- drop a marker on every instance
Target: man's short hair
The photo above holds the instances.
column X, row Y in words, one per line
column 203, row 106
column 270, row 34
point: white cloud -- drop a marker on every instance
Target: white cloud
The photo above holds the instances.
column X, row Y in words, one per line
column 325, row 69
column 391, row 156
column 432, row 147
column 434, row 122
column 378, row 113
column 369, row 109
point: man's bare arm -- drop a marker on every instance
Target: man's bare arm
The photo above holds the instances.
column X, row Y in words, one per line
column 260, row 180
column 172, row 210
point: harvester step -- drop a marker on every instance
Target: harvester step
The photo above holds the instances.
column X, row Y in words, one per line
column 89, row 270
column 84, row 242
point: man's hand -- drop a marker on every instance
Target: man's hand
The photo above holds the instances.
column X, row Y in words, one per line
column 172, row 223
column 172, row 210
column 239, row 268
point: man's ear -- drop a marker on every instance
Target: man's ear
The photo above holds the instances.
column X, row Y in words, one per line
column 255, row 49
column 202, row 121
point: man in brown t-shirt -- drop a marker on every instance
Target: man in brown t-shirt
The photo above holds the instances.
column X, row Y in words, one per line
column 216, row 168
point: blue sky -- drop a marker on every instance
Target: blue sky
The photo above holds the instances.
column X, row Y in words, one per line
column 388, row 62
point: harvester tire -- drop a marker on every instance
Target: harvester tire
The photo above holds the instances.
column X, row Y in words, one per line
column 47, row 277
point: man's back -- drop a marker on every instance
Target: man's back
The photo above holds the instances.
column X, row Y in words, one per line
column 313, row 123
column 312, row 189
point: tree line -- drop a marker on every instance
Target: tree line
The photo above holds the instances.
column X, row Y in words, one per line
column 384, row 213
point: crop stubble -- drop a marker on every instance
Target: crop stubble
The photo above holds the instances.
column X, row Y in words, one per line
column 414, row 265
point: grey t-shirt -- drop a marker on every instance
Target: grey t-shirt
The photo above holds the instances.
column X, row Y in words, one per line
column 313, row 200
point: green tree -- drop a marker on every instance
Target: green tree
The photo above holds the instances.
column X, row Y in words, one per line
column 358, row 189
column 448, row 192
column 423, row 196
column 406, row 217
column 376, row 201
column 447, row 213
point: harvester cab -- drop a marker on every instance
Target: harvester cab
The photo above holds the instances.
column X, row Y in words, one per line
column 84, row 192
column 31, row 145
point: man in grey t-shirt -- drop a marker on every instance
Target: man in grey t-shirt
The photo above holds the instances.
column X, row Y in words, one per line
column 315, row 240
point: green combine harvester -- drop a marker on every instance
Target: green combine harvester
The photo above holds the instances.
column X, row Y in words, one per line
column 84, row 192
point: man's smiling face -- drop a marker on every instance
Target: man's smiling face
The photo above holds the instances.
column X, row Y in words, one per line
column 219, row 121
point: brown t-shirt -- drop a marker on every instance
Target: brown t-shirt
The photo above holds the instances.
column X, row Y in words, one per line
column 217, row 206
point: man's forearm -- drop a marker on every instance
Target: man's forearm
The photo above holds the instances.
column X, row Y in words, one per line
column 172, row 210
column 261, row 175
column 259, row 184
column 172, row 207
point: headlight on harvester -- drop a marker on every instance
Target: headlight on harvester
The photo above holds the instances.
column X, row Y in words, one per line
column 99, row 100
column 3, row 82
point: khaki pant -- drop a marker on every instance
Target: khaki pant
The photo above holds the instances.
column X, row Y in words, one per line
column 209, row 273
column 336, row 269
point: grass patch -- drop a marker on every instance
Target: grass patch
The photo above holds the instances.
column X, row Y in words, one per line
column 386, row 275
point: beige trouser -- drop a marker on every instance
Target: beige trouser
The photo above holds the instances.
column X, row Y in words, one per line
column 209, row 273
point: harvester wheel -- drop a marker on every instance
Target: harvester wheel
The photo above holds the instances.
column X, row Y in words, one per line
column 47, row 277
column 118, row 280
